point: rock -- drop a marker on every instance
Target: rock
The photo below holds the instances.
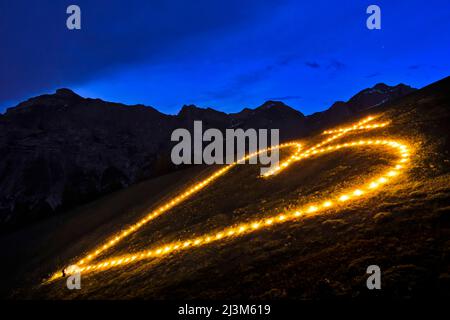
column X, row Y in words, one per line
column 382, row 217
column 334, row 222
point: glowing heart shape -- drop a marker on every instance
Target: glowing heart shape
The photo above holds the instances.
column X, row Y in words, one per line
column 84, row 265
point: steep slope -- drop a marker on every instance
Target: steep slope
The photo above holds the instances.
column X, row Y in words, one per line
column 404, row 228
column 62, row 150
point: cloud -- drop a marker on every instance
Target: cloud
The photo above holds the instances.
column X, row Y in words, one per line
column 249, row 78
column 240, row 82
column 336, row 65
column 373, row 75
column 313, row 65
column 112, row 36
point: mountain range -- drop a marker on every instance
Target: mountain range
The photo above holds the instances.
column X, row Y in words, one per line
column 61, row 150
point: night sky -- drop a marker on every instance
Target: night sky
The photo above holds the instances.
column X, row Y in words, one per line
column 222, row 54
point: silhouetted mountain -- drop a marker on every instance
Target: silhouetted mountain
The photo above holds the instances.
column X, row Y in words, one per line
column 60, row 150
column 365, row 99
column 211, row 118
column 272, row 114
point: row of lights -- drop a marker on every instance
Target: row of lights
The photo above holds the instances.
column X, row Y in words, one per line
column 164, row 208
column 338, row 133
column 152, row 215
column 173, row 202
column 245, row 228
column 358, row 126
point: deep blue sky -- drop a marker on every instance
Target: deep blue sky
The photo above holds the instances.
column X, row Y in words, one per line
column 226, row 54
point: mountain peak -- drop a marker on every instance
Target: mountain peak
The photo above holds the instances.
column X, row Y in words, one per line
column 277, row 107
column 376, row 95
column 189, row 108
column 192, row 110
column 66, row 93
column 384, row 88
column 381, row 86
column 368, row 98
column 270, row 104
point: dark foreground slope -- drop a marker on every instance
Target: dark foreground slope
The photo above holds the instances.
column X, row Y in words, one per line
column 404, row 229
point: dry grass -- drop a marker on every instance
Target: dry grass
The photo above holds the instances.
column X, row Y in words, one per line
column 404, row 229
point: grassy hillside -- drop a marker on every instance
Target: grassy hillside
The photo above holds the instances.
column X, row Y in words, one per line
column 404, row 228
column 33, row 252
